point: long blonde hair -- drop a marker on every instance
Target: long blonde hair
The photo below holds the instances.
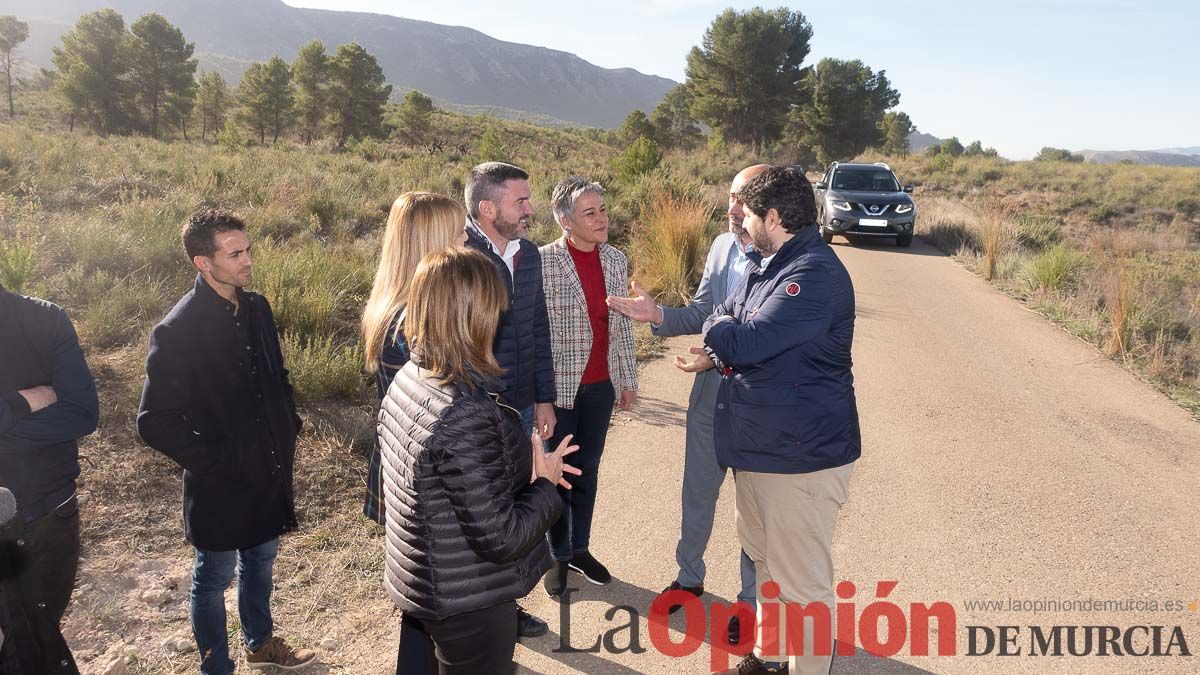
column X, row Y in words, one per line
column 457, row 299
column 419, row 223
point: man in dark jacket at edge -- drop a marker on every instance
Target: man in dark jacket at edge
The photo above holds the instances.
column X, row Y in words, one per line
column 47, row 402
column 786, row 418
column 217, row 401
column 497, row 197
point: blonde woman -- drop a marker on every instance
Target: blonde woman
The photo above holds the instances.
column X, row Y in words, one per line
column 466, row 526
column 594, row 364
column 419, row 223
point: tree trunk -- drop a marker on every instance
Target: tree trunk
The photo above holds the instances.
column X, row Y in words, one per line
column 12, row 112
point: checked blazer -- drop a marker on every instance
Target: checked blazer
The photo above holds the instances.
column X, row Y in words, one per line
column 570, row 330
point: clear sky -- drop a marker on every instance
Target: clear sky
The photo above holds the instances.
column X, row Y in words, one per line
column 1017, row 75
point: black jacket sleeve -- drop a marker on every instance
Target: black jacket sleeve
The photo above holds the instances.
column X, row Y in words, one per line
column 499, row 526
column 162, row 420
column 13, row 407
column 77, row 411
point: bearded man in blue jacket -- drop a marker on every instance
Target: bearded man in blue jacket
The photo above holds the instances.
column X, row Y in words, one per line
column 786, row 418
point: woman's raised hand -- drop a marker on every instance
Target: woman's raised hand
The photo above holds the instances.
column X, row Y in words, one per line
column 549, row 465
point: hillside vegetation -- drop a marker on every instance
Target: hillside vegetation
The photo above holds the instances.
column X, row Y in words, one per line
column 1110, row 252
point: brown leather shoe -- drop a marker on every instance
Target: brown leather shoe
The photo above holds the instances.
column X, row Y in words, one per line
column 275, row 653
column 751, row 665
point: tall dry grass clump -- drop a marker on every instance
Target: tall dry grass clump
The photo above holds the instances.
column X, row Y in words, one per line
column 1118, row 305
column 669, row 244
column 995, row 233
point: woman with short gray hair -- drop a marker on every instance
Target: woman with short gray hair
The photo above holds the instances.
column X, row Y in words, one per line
column 594, row 364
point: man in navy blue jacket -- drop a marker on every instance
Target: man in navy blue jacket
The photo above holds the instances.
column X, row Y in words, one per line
column 498, row 199
column 497, row 196
column 786, row 418
column 47, row 402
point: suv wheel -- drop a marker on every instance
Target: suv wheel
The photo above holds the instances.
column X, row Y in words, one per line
column 827, row 236
column 904, row 240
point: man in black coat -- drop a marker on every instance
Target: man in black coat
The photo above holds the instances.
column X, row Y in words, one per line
column 47, row 402
column 218, row 402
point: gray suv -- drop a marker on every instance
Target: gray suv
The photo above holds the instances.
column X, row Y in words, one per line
column 864, row 200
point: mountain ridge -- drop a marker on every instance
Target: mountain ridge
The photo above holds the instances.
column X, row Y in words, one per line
column 456, row 64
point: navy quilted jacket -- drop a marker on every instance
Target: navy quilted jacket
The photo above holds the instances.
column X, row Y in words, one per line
column 523, row 340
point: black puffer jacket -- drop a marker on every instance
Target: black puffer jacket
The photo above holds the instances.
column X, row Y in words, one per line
column 465, row 527
column 523, row 339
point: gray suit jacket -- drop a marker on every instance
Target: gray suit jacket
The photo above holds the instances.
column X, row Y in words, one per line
column 688, row 320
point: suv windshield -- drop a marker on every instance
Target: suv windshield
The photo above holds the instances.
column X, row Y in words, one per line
column 865, row 180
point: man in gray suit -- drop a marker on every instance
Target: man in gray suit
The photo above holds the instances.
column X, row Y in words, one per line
column 702, row 476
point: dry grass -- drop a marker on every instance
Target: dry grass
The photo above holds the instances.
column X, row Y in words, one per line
column 1118, row 290
column 996, row 233
column 669, row 244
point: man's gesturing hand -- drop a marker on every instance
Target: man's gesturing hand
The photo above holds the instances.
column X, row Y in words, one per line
column 701, row 363
column 641, row 308
column 549, row 465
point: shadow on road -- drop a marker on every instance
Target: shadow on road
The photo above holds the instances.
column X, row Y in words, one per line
column 657, row 412
column 865, row 662
column 919, row 247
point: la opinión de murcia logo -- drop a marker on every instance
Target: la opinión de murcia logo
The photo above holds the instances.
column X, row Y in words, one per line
column 883, row 628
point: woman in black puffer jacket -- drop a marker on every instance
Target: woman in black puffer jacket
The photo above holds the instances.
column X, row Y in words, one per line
column 466, row 524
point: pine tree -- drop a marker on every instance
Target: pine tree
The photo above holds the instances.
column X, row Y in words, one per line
column 636, row 126
column 896, row 127
column 12, row 34
column 674, row 125
column 357, row 94
column 748, row 72
column 267, row 98
column 846, row 111
column 163, row 70
column 310, row 73
column 93, row 69
column 415, row 116
column 213, row 99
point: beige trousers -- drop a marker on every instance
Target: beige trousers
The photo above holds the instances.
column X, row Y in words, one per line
column 785, row 523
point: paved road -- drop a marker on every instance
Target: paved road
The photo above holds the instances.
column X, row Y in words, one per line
column 1003, row 459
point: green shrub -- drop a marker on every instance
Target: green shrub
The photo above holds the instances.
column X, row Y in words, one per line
column 641, row 157
column 1055, row 268
column 1038, row 231
column 321, row 369
column 16, row 264
column 1103, row 213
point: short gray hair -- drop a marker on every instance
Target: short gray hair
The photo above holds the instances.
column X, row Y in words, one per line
column 485, row 179
column 567, row 192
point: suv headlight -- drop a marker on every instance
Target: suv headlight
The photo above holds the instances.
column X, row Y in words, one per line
column 840, row 204
column 904, row 208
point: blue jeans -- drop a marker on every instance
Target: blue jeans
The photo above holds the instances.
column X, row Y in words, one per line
column 527, row 420
column 211, row 576
column 588, row 421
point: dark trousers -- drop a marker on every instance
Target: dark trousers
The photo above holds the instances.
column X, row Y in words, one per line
column 482, row 641
column 38, row 562
column 588, row 422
